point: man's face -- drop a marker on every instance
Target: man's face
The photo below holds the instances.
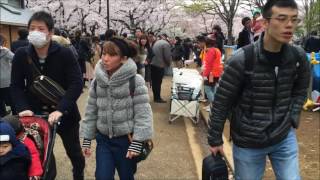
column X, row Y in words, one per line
column 282, row 24
column 5, row 148
column 248, row 24
column 40, row 26
column 138, row 33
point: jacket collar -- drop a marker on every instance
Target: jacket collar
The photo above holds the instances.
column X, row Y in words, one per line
column 286, row 55
column 53, row 47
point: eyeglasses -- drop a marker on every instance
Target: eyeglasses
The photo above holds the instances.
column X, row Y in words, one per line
column 285, row 20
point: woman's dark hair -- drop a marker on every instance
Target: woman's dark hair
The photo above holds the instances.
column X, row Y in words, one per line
column 118, row 46
column 44, row 17
column 217, row 28
column 146, row 38
column 201, row 38
column 267, row 12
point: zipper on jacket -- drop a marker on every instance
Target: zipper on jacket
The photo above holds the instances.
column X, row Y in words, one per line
column 274, row 100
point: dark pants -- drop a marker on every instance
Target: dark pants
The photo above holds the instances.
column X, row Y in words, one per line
column 156, row 79
column 111, row 155
column 5, row 100
column 71, row 143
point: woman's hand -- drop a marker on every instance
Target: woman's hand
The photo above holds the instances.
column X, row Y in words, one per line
column 86, row 152
column 131, row 154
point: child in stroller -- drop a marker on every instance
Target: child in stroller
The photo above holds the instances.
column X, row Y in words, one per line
column 35, row 133
column 14, row 156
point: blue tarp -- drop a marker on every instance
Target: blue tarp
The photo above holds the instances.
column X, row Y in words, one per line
column 315, row 72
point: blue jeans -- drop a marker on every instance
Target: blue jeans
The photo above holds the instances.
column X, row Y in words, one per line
column 210, row 91
column 111, row 155
column 250, row 163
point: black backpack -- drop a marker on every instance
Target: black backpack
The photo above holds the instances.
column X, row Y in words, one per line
column 214, row 168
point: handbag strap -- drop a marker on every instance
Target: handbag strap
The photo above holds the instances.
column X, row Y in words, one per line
column 34, row 67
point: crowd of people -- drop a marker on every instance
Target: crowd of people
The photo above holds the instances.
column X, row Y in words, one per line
column 261, row 89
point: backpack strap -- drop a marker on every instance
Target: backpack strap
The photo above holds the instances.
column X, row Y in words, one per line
column 250, row 58
column 132, row 85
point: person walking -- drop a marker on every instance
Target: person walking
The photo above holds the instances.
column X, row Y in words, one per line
column 59, row 64
column 263, row 87
column 161, row 59
column 6, row 57
column 212, row 68
column 114, row 112
column 245, row 36
column 22, row 41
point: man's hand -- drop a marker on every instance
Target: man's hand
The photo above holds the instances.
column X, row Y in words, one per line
column 131, row 154
column 86, row 152
column 54, row 117
column 216, row 149
column 26, row 113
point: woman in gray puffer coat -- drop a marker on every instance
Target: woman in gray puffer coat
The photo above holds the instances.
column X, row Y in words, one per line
column 112, row 113
column 6, row 57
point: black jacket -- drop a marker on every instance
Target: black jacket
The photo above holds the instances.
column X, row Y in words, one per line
column 312, row 44
column 244, row 38
column 18, row 44
column 61, row 66
column 262, row 114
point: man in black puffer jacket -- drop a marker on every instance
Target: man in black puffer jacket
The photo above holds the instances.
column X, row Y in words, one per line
column 266, row 108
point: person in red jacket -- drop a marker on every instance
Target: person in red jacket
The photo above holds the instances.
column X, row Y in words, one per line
column 35, row 169
column 212, row 68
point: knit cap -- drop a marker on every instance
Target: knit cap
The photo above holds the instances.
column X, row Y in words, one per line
column 7, row 133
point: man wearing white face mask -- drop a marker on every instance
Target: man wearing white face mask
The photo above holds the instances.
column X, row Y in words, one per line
column 59, row 64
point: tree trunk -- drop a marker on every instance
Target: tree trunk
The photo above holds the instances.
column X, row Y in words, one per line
column 230, row 37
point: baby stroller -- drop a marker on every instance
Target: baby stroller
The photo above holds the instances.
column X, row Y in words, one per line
column 39, row 130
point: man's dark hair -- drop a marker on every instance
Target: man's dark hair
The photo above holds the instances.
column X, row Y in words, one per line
column 44, row 17
column 266, row 10
column 109, row 34
column 151, row 33
column 23, row 33
column 125, row 35
column 244, row 20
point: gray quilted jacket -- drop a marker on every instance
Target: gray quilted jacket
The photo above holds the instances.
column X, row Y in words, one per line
column 263, row 113
column 110, row 108
column 6, row 57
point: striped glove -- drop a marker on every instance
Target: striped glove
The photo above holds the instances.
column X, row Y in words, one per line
column 135, row 146
column 86, row 143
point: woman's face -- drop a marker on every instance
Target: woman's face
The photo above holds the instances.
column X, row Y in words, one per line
column 143, row 42
column 111, row 63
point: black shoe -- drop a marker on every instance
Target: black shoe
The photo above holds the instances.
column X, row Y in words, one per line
column 160, row 101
